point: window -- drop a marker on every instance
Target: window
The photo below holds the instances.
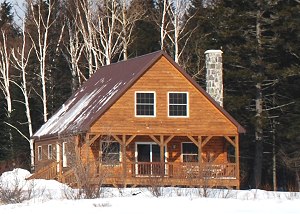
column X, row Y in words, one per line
column 39, row 153
column 178, row 104
column 110, row 153
column 189, row 152
column 50, row 151
column 64, row 154
column 145, row 104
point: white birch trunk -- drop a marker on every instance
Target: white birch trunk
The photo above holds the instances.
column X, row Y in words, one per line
column 4, row 69
column 21, row 60
column 41, row 47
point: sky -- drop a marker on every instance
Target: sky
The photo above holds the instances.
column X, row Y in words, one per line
column 18, row 9
column 48, row 196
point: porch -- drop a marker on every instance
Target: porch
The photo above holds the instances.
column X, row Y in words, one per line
column 166, row 160
column 146, row 160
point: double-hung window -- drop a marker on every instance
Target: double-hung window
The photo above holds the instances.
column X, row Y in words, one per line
column 189, row 152
column 50, row 151
column 145, row 104
column 178, row 104
column 40, row 153
column 110, row 153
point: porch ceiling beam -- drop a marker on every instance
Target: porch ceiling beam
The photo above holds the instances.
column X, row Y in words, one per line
column 230, row 141
column 90, row 142
column 206, row 140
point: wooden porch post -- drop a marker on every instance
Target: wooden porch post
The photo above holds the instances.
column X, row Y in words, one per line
column 200, row 155
column 237, row 160
column 123, row 146
column 162, row 155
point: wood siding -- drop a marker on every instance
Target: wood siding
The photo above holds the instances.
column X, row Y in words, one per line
column 204, row 118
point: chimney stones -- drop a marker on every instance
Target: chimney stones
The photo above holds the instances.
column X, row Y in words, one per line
column 214, row 75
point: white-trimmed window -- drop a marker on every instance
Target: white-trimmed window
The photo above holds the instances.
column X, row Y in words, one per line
column 189, row 152
column 50, row 151
column 178, row 104
column 110, row 153
column 40, row 150
column 145, row 104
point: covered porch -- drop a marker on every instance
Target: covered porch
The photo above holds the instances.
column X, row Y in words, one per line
column 168, row 160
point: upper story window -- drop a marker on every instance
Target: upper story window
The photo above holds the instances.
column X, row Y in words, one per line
column 178, row 104
column 145, row 104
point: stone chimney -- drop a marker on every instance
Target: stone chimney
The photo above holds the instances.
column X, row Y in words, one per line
column 214, row 75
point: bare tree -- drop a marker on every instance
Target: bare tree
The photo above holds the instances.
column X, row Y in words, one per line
column 42, row 21
column 84, row 18
column 74, row 50
column 21, row 55
column 5, row 79
column 131, row 13
column 163, row 22
column 179, row 20
column 4, row 71
column 108, row 28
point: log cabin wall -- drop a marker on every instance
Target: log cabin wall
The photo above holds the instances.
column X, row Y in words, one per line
column 204, row 118
column 42, row 160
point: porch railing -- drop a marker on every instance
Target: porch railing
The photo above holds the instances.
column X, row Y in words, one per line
column 183, row 170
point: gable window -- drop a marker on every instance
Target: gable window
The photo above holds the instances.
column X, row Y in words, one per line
column 189, row 152
column 50, row 151
column 178, row 104
column 110, row 153
column 39, row 153
column 145, row 104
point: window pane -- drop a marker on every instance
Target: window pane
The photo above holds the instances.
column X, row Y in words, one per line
column 177, row 110
column 145, row 104
column 110, row 152
column 178, row 98
column 189, row 152
column 189, row 148
column 177, row 104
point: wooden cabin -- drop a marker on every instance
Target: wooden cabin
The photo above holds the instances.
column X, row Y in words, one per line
column 140, row 122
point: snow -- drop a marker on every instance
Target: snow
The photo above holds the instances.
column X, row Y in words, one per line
column 49, row 197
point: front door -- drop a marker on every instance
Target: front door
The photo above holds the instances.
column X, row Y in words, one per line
column 148, row 159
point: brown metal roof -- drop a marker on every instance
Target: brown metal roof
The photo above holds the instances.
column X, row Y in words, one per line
column 99, row 92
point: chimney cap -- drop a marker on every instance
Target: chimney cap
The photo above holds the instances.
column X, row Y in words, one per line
column 213, row 51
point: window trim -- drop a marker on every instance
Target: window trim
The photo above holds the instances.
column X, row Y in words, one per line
column 154, row 104
column 40, row 153
column 187, row 104
column 182, row 159
column 50, row 154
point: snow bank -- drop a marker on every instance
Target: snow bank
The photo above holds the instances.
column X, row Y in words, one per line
column 49, row 196
column 39, row 189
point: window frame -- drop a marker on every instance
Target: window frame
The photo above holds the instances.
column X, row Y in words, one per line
column 40, row 153
column 114, row 162
column 135, row 103
column 50, row 151
column 187, row 104
column 183, row 154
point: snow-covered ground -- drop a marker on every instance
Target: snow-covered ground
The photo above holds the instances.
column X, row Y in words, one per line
column 50, row 197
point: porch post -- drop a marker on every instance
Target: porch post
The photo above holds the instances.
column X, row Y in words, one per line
column 123, row 146
column 200, row 155
column 162, row 155
column 237, row 160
